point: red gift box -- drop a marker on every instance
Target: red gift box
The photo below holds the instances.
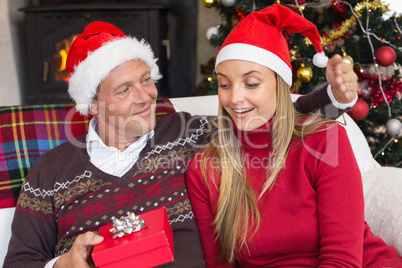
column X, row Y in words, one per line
column 149, row 247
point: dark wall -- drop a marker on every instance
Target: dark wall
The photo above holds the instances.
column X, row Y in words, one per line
column 182, row 33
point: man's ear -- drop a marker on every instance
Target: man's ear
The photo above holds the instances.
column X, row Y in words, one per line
column 94, row 109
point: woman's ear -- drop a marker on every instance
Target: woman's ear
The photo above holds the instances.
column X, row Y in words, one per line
column 93, row 110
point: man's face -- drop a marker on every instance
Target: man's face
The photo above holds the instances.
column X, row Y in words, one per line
column 126, row 102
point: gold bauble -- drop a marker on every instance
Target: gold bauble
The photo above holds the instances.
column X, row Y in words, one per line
column 304, row 74
column 209, row 3
column 348, row 59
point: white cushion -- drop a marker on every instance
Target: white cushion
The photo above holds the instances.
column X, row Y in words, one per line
column 360, row 147
column 201, row 105
column 383, row 204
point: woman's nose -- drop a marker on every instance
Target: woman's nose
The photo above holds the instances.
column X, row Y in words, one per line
column 237, row 94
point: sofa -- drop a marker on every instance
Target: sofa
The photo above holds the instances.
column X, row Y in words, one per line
column 26, row 132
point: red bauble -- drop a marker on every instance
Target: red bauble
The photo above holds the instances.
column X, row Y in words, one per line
column 385, row 56
column 359, row 111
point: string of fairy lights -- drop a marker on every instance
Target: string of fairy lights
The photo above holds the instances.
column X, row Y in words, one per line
column 393, row 125
column 368, row 71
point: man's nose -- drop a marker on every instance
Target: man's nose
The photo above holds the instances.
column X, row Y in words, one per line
column 140, row 95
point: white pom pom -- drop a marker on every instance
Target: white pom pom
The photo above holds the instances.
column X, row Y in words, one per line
column 320, row 60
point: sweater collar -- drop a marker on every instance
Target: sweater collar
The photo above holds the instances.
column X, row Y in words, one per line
column 256, row 140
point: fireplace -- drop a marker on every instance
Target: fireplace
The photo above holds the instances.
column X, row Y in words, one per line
column 51, row 29
column 58, row 61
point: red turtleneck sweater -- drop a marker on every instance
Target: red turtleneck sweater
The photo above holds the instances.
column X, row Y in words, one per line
column 312, row 217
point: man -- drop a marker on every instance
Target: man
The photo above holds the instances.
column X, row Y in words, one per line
column 130, row 161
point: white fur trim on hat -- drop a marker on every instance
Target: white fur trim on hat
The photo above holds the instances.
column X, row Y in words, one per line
column 97, row 65
column 239, row 51
column 320, row 60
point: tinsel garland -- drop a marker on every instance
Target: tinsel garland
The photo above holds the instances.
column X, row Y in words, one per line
column 392, row 88
column 341, row 31
column 347, row 24
column 376, row 4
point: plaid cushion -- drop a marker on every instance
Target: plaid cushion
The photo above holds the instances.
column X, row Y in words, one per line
column 26, row 132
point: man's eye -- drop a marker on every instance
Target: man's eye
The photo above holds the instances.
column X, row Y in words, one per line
column 147, row 80
column 123, row 91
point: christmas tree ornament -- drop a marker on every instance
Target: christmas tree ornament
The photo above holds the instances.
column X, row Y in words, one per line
column 340, row 10
column 228, row 3
column 240, row 15
column 348, row 59
column 393, row 127
column 211, row 31
column 359, row 111
column 365, row 92
column 209, row 3
column 304, row 73
column 385, row 56
column 293, row 54
column 392, row 88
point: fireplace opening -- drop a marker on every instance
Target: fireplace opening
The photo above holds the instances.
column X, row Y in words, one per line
column 59, row 58
column 51, row 30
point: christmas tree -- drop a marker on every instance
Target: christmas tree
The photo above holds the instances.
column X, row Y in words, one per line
column 360, row 32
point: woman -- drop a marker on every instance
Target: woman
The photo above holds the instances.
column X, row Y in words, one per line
column 276, row 188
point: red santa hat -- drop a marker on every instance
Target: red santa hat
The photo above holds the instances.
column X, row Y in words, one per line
column 257, row 38
column 94, row 53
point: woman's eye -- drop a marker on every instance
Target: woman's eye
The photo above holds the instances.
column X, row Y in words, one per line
column 253, row 85
column 224, row 86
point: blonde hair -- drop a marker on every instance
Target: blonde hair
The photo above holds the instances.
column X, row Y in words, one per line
column 237, row 202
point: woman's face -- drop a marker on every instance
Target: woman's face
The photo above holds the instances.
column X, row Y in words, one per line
column 247, row 91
